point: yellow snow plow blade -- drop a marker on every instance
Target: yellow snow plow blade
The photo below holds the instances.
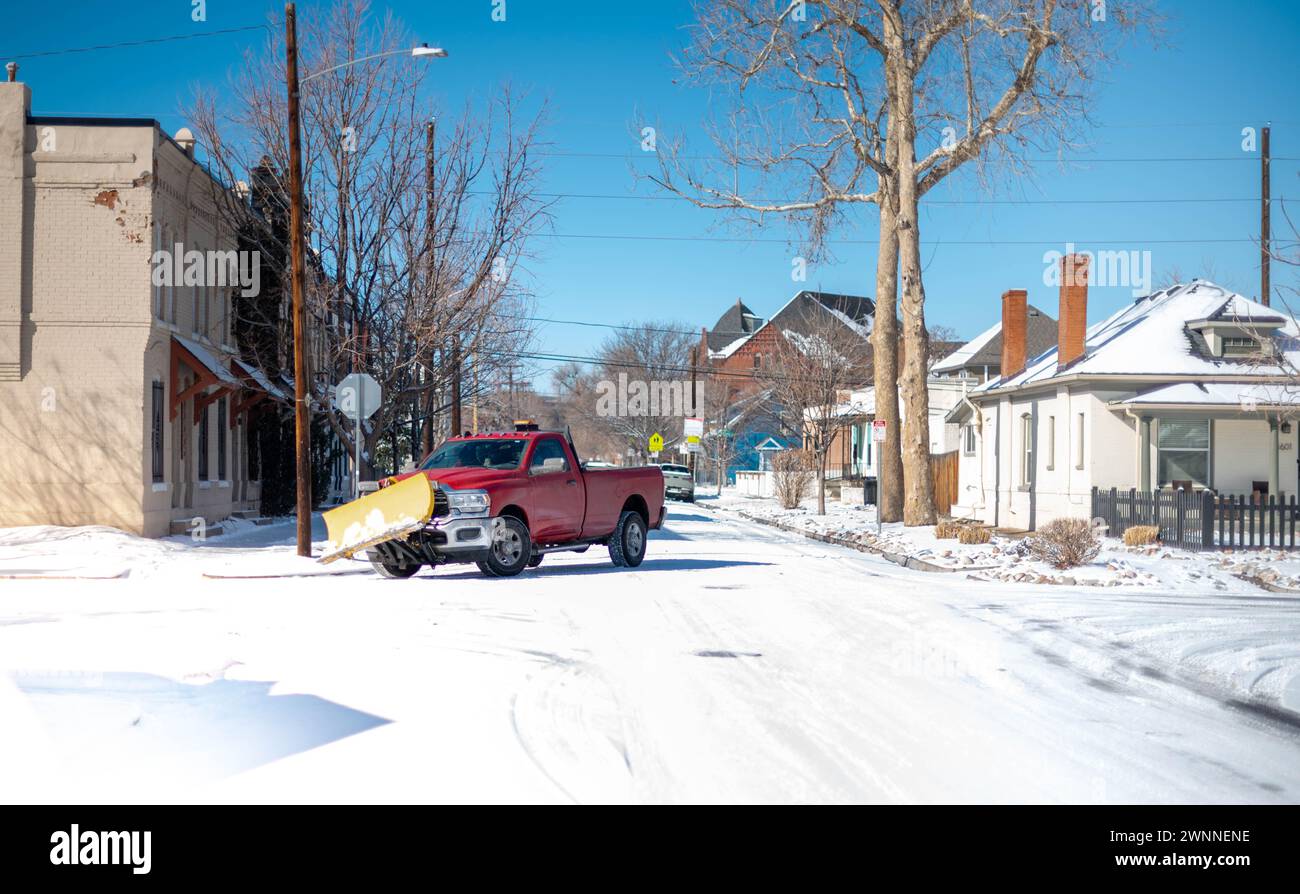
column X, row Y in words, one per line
column 388, row 513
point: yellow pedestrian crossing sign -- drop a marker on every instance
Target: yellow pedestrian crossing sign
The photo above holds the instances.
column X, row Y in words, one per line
column 656, row 442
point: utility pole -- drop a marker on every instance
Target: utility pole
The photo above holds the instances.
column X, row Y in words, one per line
column 455, row 386
column 301, row 395
column 1264, row 236
column 431, row 218
column 691, row 456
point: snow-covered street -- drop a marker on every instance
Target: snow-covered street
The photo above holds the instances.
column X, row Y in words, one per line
column 738, row 663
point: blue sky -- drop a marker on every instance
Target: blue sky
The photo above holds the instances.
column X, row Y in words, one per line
column 604, row 69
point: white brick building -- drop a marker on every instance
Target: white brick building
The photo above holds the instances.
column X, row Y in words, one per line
column 121, row 402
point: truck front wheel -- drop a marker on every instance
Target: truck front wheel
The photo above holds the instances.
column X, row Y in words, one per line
column 627, row 543
column 511, row 549
column 389, row 568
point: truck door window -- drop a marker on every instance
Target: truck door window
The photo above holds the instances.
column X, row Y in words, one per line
column 548, row 456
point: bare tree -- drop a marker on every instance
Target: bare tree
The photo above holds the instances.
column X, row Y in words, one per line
column 413, row 264
column 809, row 382
column 864, row 87
column 644, row 385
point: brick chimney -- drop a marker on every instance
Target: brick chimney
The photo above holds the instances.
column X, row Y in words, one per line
column 1072, row 318
column 1014, row 312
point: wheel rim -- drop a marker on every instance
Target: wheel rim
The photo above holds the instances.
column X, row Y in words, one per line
column 635, row 539
column 507, row 545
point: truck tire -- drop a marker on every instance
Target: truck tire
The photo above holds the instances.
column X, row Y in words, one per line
column 390, row 569
column 511, row 549
column 536, row 560
column 627, row 543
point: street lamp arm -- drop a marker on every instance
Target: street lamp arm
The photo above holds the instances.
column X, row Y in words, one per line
column 422, row 50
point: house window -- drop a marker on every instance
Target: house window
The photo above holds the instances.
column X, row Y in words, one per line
column 221, row 439
column 171, row 284
column 758, row 361
column 1026, row 449
column 203, row 445
column 1051, row 443
column 1183, row 450
column 968, row 440
column 156, row 432
column 1078, row 441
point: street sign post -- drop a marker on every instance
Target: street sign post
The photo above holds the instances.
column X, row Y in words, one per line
column 878, row 430
column 358, row 396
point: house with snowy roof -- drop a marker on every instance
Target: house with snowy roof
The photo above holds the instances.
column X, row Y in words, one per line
column 742, row 341
column 1191, row 387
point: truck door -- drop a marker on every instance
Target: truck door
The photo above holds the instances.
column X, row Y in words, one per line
column 557, row 493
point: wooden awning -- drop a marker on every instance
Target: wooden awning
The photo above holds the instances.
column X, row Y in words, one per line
column 210, row 373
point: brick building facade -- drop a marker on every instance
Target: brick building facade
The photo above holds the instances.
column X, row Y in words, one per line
column 122, row 402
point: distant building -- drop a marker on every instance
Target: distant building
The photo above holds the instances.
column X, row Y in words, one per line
column 743, row 342
column 981, row 357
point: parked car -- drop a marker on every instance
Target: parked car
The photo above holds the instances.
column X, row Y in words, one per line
column 505, row 500
column 678, row 482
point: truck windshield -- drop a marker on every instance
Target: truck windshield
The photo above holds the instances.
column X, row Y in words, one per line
column 498, row 453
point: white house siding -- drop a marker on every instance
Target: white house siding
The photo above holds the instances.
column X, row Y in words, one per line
column 1240, row 456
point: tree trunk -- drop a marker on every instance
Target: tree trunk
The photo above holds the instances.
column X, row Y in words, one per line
column 918, row 499
column 884, row 342
column 821, row 485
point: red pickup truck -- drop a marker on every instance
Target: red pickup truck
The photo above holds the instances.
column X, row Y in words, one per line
column 505, row 500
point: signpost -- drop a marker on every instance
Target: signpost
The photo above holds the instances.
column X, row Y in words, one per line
column 358, row 395
column 878, row 429
column 656, row 442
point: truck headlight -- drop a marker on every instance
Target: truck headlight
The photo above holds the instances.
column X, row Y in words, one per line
column 468, row 502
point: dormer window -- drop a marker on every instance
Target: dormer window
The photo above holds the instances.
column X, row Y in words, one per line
column 1240, row 346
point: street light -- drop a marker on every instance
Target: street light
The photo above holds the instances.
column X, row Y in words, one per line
column 301, row 396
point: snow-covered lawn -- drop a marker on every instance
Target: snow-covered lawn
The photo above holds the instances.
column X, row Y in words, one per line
column 1007, row 559
column 738, row 663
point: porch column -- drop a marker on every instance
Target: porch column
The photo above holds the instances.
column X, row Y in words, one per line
column 1144, row 445
column 1274, row 479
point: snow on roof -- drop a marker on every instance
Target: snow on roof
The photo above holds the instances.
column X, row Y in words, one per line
column 730, row 349
column 260, row 378
column 1246, row 396
column 1151, row 337
column 209, row 361
column 960, row 357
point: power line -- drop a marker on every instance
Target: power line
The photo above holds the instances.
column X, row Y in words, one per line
column 744, row 239
column 674, row 198
column 137, row 43
column 646, row 156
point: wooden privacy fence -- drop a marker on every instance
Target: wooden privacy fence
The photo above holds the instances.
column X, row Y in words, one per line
column 943, row 472
column 1200, row 520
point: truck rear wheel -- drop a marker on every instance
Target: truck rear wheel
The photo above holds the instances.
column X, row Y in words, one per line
column 511, row 548
column 627, row 543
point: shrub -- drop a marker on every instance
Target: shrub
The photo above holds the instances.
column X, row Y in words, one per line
column 791, row 478
column 947, row 530
column 1142, row 535
column 972, row 534
column 1065, row 543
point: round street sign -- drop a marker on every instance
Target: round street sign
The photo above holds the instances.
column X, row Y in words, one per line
column 656, row 442
column 358, row 395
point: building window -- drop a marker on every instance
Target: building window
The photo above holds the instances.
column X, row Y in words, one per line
column 1240, row 346
column 1051, row 443
column 758, row 361
column 153, row 270
column 968, row 439
column 203, row 445
column 1026, row 449
column 1183, row 451
column 221, row 439
column 156, row 432
column 1078, row 441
